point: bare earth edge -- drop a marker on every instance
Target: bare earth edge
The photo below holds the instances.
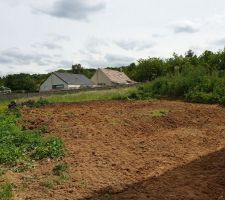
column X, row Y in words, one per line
column 120, row 150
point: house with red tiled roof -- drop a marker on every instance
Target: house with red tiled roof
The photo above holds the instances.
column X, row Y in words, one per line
column 111, row 78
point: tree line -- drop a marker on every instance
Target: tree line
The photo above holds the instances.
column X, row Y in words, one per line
column 208, row 63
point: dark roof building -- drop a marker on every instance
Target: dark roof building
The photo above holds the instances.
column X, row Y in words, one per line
column 65, row 81
column 74, row 79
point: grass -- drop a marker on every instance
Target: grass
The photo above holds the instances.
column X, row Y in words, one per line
column 6, row 191
column 59, row 169
column 121, row 93
column 159, row 113
column 101, row 95
column 48, row 183
column 3, row 105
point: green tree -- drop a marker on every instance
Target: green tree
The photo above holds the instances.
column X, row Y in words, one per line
column 79, row 69
column 1, row 81
column 20, row 82
column 149, row 69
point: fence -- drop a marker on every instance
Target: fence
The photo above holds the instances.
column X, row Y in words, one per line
column 14, row 96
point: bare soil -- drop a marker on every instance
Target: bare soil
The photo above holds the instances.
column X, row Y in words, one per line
column 120, row 150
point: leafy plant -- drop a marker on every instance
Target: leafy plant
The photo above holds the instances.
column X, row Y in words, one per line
column 17, row 144
column 50, row 148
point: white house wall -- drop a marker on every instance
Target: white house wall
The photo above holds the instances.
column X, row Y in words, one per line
column 52, row 80
column 74, row 86
column 100, row 78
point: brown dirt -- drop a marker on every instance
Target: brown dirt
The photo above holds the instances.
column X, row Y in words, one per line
column 117, row 150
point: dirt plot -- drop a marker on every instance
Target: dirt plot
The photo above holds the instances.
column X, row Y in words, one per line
column 131, row 150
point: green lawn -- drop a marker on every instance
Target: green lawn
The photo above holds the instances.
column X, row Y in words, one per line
column 100, row 95
column 92, row 95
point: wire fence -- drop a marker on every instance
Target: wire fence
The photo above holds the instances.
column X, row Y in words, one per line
column 16, row 95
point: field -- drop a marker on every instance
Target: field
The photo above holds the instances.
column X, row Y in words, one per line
column 155, row 149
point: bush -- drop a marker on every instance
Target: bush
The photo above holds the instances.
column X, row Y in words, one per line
column 201, row 97
column 29, row 103
column 41, row 103
column 35, row 104
column 193, row 84
column 222, row 101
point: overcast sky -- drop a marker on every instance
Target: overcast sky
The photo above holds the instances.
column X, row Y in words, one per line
column 40, row 36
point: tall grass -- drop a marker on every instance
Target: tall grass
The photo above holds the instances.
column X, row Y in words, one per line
column 102, row 95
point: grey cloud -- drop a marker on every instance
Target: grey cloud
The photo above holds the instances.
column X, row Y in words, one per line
column 48, row 45
column 134, row 45
column 95, row 45
column 185, row 27
column 220, row 42
column 75, row 9
column 4, row 60
column 17, row 57
column 51, row 46
column 111, row 60
column 58, row 37
column 158, row 35
column 118, row 60
column 65, row 63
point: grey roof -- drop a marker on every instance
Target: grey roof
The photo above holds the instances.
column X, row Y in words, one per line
column 74, row 79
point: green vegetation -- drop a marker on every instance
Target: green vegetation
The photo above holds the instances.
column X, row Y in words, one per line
column 6, row 191
column 18, row 145
column 35, row 104
column 59, row 169
column 159, row 113
column 191, row 84
column 48, row 183
column 31, row 83
column 23, row 82
column 92, row 95
column 189, row 77
column 193, row 78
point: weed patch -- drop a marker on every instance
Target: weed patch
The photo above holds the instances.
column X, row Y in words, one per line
column 48, row 183
column 18, row 145
column 6, row 191
column 59, row 169
column 159, row 113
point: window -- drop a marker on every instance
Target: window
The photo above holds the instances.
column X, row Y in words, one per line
column 58, row 87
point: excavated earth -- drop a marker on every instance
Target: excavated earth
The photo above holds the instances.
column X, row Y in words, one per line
column 167, row 150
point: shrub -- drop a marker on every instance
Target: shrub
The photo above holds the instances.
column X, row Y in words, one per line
column 201, row 97
column 41, row 103
column 29, row 103
column 192, row 84
column 35, row 104
column 222, row 101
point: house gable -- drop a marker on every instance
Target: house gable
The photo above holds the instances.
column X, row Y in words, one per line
column 100, row 78
column 53, row 82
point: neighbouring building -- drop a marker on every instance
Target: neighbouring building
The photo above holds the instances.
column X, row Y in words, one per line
column 111, row 78
column 65, row 81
